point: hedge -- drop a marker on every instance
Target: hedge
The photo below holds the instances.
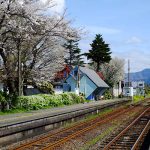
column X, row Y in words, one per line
column 32, row 102
column 44, row 100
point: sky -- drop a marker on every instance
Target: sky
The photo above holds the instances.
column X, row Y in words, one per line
column 124, row 25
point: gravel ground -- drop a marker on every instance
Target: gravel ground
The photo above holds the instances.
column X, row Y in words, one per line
column 84, row 142
column 87, row 142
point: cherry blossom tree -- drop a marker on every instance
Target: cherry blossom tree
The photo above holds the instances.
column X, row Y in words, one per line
column 113, row 71
column 31, row 40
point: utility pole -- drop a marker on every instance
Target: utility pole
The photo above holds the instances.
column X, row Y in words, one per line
column 128, row 73
column 19, row 68
column 129, row 85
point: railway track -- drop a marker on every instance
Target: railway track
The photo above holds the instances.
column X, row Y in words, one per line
column 131, row 137
column 52, row 141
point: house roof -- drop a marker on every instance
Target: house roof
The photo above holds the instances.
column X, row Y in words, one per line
column 60, row 74
column 93, row 76
column 101, row 75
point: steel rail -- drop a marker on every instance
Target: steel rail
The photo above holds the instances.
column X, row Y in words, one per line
column 125, row 130
column 64, row 140
column 134, row 147
column 42, row 139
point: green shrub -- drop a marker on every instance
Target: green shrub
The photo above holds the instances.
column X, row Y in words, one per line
column 138, row 98
column 52, row 100
column 2, row 97
column 32, row 102
column 76, row 99
column 82, row 99
column 67, row 99
column 147, row 89
column 55, row 100
column 45, row 87
column 120, row 95
column 43, row 100
column 4, row 100
column 107, row 94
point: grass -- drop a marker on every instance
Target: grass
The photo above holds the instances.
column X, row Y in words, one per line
column 12, row 111
column 90, row 117
column 137, row 98
column 22, row 110
column 103, row 112
column 148, row 96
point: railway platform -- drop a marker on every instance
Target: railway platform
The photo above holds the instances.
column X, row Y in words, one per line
column 15, row 118
column 16, row 127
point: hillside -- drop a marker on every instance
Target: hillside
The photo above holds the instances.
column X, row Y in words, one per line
column 142, row 75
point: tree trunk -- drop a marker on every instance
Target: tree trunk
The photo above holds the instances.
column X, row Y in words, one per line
column 11, row 85
column 3, row 106
column 112, row 92
column 97, row 67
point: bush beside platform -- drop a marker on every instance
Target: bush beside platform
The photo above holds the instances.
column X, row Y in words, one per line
column 40, row 101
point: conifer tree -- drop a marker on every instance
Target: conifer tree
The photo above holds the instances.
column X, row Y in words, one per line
column 73, row 56
column 100, row 52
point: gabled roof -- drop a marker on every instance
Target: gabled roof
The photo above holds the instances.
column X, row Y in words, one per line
column 93, row 76
column 101, row 75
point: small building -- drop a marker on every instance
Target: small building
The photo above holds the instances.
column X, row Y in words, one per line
column 128, row 91
column 138, row 87
column 63, row 74
column 118, row 89
column 86, row 81
column 31, row 90
column 59, row 79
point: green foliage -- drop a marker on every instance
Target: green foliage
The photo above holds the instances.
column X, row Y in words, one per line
column 147, row 89
column 44, row 100
column 2, row 97
column 32, row 102
column 14, row 110
column 46, row 87
column 98, row 138
column 66, row 99
column 7, row 100
column 120, row 95
column 77, row 99
column 107, row 94
column 14, row 99
column 73, row 53
column 137, row 98
column 100, row 52
column 55, row 100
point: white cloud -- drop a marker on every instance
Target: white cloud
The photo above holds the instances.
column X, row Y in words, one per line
column 134, row 40
column 138, row 60
column 102, row 30
column 59, row 5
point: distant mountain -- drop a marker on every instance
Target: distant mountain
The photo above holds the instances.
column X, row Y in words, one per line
column 143, row 75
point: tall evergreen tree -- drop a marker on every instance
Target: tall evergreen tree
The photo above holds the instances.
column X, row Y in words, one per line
column 73, row 56
column 100, row 52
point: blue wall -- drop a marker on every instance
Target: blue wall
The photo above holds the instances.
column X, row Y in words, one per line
column 87, row 86
column 72, row 82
